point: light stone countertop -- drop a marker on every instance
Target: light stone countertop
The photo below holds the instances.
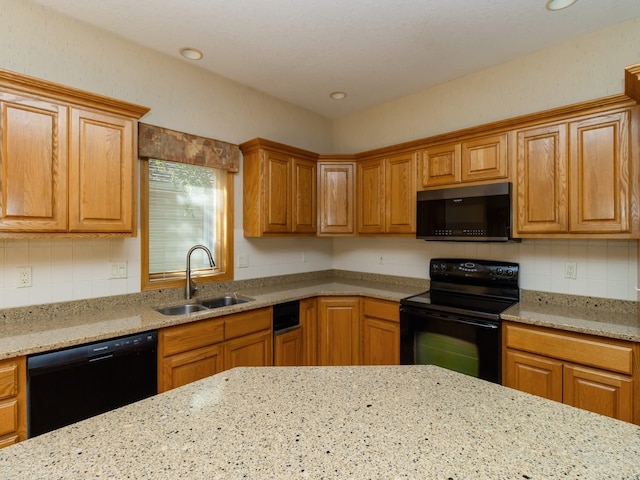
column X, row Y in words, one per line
column 593, row 320
column 410, row 422
column 37, row 331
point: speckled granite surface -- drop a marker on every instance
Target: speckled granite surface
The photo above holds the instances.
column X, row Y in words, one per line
column 583, row 315
column 38, row 329
column 412, row 422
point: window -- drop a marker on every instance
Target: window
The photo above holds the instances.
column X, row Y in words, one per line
column 185, row 205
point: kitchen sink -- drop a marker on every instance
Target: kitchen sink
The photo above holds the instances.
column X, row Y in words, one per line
column 224, row 301
column 182, row 309
column 203, row 305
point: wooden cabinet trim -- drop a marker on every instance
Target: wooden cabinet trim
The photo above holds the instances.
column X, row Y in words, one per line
column 240, row 324
column 608, row 354
column 189, row 336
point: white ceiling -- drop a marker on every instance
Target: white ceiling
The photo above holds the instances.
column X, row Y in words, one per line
column 375, row 50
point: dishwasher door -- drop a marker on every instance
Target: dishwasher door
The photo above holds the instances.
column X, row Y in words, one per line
column 69, row 385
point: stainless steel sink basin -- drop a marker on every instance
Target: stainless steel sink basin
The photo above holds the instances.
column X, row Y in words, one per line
column 182, row 309
column 224, row 301
column 203, row 305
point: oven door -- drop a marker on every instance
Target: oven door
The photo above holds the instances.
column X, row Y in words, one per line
column 462, row 343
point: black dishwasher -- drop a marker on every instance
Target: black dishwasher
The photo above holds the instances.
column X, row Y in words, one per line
column 72, row 384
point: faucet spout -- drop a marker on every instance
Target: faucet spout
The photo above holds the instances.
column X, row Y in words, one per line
column 191, row 286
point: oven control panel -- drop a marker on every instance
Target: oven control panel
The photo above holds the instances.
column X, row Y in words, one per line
column 473, row 271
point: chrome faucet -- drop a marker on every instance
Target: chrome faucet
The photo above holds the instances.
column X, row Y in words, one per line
column 191, row 286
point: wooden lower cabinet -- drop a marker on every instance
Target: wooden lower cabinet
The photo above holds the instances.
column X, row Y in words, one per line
column 585, row 371
column 249, row 351
column 599, row 391
column 309, row 325
column 13, row 408
column 196, row 350
column 187, row 367
column 338, row 331
column 380, row 332
column 287, row 348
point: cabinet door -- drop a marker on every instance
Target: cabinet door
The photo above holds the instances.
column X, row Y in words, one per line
column 370, row 196
column 187, row 367
column 484, row 158
column 338, row 331
column 287, row 348
column 542, row 199
column 600, row 174
column 309, row 325
column 33, row 159
column 380, row 332
column 440, row 165
column 276, row 201
column 380, row 342
column 533, row 374
column 336, row 193
column 102, row 175
column 400, row 193
column 253, row 350
column 305, row 211
column 599, row 391
column 13, row 404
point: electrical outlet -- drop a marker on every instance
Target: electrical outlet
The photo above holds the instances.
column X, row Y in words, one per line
column 243, row 261
column 380, row 259
column 570, row 270
column 24, row 277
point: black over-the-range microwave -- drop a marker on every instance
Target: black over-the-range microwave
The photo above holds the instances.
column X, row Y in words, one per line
column 480, row 213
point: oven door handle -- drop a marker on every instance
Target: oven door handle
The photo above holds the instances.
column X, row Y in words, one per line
column 452, row 318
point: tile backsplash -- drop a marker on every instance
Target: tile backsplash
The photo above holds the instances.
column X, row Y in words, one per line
column 65, row 270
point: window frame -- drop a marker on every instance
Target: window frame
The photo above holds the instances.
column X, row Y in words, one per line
column 225, row 264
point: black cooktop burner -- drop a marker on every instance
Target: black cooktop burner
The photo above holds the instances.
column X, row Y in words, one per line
column 456, row 303
column 480, row 288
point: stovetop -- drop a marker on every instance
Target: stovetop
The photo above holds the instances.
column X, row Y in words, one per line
column 480, row 288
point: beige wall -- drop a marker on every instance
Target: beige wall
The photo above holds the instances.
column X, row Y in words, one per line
column 44, row 44
column 584, row 69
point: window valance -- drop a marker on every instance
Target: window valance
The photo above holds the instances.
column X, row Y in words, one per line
column 164, row 144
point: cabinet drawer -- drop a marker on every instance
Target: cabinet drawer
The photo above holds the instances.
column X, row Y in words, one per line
column 181, row 338
column 240, row 324
column 607, row 354
column 8, row 380
column 381, row 309
column 8, row 417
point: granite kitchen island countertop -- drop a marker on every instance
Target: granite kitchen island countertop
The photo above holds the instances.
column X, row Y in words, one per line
column 409, row 422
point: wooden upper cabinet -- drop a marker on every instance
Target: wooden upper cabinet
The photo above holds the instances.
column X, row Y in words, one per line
column 277, row 196
column 542, row 198
column 279, row 189
column 400, row 193
column 370, row 196
column 68, row 161
column 305, row 210
column 575, row 177
column 600, row 174
column 484, row 158
column 101, row 163
column 337, row 197
column 34, row 164
column 476, row 159
column 440, row 165
column 386, row 195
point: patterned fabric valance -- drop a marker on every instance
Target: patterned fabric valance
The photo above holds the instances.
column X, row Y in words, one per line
column 164, row 144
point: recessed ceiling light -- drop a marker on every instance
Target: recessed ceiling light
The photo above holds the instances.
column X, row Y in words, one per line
column 559, row 4
column 337, row 95
column 191, row 53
